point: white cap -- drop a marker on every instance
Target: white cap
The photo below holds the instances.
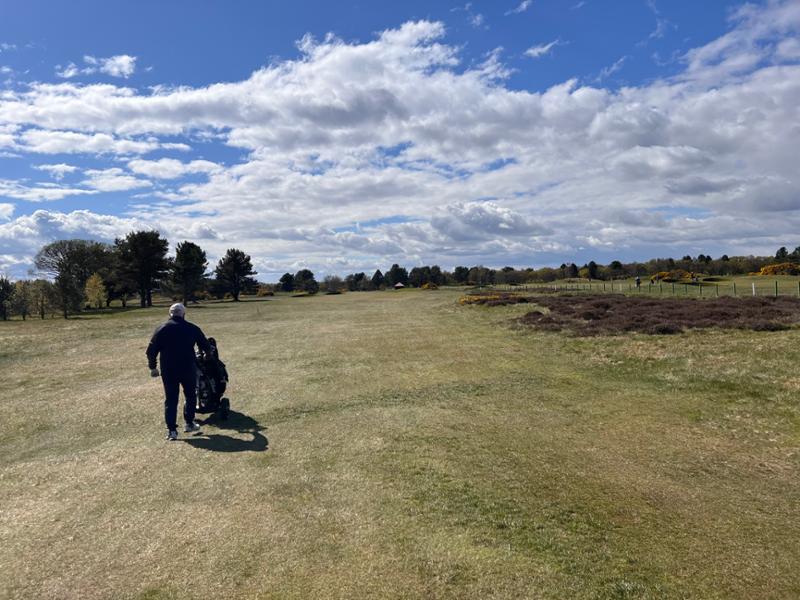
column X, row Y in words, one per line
column 177, row 310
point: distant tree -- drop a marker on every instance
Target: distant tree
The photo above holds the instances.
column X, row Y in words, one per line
column 23, row 300
column 44, row 295
column 287, row 282
column 377, row 280
column 782, row 254
column 396, row 274
column 304, row 281
column 95, row 291
column 419, row 276
column 118, row 280
column 66, row 261
column 725, row 258
column 461, row 275
column 592, row 269
column 794, row 255
column 572, row 270
column 143, row 260
column 234, row 272
column 333, row 284
column 356, row 282
column 436, row 275
column 188, row 269
column 6, row 297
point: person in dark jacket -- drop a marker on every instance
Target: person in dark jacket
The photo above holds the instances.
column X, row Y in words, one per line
column 175, row 340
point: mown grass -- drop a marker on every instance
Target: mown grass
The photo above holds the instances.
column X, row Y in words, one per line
column 416, row 448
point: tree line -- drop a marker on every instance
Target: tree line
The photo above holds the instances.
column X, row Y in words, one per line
column 71, row 274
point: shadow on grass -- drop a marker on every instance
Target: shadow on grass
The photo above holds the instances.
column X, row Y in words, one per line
column 237, row 422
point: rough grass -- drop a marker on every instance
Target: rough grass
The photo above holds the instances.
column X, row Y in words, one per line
column 608, row 315
column 401, row 446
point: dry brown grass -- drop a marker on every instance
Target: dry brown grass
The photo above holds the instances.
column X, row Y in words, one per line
column 417, row 449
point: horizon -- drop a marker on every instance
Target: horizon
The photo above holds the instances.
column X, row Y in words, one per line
column 515, row 133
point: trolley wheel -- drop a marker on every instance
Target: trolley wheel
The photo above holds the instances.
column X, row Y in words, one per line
column 225, row 409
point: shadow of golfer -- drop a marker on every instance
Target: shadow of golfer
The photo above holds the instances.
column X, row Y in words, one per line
column 237, row 422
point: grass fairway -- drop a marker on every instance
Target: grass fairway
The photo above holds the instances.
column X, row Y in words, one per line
column 416, row 449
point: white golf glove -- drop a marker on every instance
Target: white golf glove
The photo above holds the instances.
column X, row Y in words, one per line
column 154, row 373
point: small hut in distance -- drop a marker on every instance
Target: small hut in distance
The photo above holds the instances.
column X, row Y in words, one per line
column 398, row 286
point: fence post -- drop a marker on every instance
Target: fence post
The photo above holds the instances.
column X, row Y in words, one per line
column 673, row 288
column 754, row 288
column 734, row 289
column 700, row 287
column 660, row 288
column 716, row 290
column 776, row 288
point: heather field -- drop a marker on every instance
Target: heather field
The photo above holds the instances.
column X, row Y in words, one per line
column 403, row 445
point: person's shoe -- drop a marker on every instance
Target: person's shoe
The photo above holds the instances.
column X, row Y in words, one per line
column 172, row 435
column 191, row 427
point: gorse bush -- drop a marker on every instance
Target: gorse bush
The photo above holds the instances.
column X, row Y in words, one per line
column 786, row 268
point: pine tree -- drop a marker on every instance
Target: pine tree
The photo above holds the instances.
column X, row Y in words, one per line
column 188, row 269
column 234, row 272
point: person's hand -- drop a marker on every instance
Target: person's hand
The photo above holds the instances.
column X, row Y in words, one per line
column 154, row 373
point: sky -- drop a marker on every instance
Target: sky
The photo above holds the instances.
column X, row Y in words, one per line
column 347, row 136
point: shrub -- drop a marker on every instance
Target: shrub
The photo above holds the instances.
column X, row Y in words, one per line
column 786, row 268
column 264, row 290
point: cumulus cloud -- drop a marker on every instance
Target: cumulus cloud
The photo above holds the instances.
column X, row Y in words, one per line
column 113, row 180
column 6, row 210
column 342, row 142
column 121, row 65
column 40, row 192
column 45, row 141
column 463, row 222
column 57, row 171
column 170, row 168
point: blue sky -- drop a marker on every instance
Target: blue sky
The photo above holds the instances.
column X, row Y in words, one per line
column 348, row 136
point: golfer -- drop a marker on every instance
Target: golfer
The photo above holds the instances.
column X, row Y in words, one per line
column 175, row 340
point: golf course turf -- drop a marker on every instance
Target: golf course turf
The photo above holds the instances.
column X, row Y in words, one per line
column 400, row 445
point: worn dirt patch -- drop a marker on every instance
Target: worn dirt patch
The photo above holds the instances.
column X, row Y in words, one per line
column 609, row 315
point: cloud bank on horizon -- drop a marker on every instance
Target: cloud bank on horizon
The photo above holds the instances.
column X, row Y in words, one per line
column 355, row 155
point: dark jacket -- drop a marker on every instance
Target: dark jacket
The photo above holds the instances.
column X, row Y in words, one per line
column 175, row 341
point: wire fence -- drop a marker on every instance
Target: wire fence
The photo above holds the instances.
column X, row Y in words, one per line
column 700, row 289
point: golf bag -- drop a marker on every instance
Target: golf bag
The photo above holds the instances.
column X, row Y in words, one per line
column 212, row 380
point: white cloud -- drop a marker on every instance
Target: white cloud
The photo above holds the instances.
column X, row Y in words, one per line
column 58, row 171
column 170, row 168
column 541, row 50
column 521, row 8
column 43, row 141
column 607, row 72
column 41, row 192
column 25, row 234
column 477, row 20
column 121, row 65
column 113, row 180
column 67, row 72
column 6, row 210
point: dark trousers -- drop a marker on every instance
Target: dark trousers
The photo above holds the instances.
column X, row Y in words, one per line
column 172, row 384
